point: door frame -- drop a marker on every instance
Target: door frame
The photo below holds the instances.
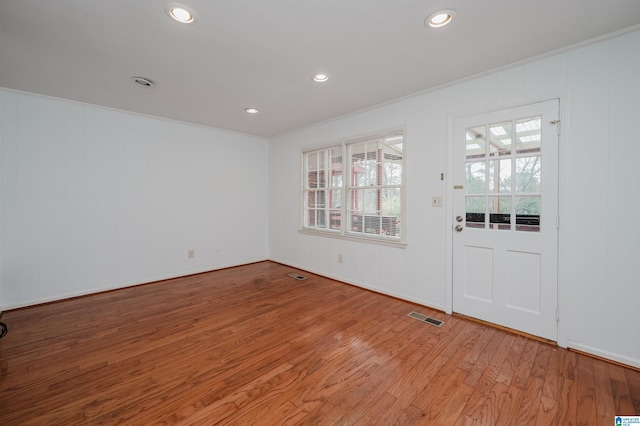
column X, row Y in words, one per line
column 449, row 224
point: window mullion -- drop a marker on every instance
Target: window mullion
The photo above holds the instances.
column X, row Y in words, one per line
column 344, row 183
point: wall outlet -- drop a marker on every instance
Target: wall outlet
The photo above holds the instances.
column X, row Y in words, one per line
column 339, row 258
column 191, row 254
column 436, row 201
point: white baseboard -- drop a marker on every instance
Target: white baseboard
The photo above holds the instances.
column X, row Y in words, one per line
column 86, row 292
column 633, row 362
column 364, row 286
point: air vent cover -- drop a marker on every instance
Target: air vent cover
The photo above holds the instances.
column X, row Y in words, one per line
column 426, row 319
column 143, row 81
column 297, row 276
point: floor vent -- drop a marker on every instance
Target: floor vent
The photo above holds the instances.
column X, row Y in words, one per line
column 426, row 319
column 297, row 276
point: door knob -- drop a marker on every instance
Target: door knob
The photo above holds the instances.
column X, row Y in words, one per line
column 458, row 228
column 458, row 218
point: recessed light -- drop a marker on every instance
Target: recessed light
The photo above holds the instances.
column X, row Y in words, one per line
column 143, row 81
column 180, row 13
column 320, row 78
column 251, row 110
column 440, row 18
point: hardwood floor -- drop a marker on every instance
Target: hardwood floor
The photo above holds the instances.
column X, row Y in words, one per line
column 250, row 345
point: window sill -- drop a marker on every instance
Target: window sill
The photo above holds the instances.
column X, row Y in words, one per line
column 350, row 237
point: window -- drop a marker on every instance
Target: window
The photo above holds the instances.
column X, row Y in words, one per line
column 323, row 189
column 362, row 197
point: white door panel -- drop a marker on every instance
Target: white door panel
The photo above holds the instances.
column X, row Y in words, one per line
column 505, row 207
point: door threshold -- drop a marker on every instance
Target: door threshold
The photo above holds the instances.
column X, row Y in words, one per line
column 507, row 329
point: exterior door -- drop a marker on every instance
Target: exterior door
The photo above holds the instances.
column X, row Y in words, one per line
column 505, row 207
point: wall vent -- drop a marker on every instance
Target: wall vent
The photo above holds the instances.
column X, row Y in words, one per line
column 426, row 319
column 297, row 276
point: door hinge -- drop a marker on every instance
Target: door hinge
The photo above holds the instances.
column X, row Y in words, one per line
column 557, row 123
column 557, row 314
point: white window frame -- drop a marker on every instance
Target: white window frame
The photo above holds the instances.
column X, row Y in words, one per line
column 343, row 217
column 322, row 196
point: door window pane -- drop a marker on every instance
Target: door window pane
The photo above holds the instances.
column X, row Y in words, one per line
column 475, row 211
column 500, row 139
column 528, row 135
column 500, row 176
column 476, row 145
column 528, row 174
column 500, row 212
column 528, row 214
column 475, row 177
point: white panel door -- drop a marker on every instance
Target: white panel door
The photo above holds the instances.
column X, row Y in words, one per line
column 505, row 207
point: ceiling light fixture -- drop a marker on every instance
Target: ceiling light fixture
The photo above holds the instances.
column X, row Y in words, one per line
column 320, row 78
column 440, row 18
column 180, row 13
column 251, row 110
column 143, row 81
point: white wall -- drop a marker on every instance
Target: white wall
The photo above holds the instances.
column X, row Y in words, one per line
column 601, row 279
column 94, row 199
column 599, row 89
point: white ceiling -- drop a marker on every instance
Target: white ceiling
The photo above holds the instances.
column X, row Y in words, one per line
column 263, row 53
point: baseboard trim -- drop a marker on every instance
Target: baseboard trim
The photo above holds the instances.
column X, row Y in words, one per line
column 92, row 292
column 397, row 296
column 604, row 355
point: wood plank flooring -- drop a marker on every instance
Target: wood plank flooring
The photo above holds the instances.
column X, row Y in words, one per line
column 250, row 345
